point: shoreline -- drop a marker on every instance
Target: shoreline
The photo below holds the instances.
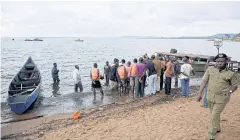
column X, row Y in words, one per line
column 107, row 120
column 88, row 113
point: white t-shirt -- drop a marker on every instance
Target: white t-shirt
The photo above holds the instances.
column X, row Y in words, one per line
column 76, row 76
column 185, row 68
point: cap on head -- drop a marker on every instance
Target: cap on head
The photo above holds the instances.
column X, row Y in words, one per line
column 221, row 55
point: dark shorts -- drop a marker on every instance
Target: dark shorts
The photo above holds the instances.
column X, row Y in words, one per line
column 96, row 84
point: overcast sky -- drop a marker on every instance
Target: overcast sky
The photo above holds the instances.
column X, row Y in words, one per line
column 106, row 19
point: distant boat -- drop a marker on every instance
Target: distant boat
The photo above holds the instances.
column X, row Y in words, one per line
column 13, row 39
column 37, row 39
column 24, row 88
column 28, row 39
column 78, row 40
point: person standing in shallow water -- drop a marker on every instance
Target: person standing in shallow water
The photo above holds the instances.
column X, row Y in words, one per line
column 107, row 69
column 133, row 77
column 113, row 75
column 95, row 76
column 77, row 79
column 55, row 73
column 221, row 84
column 122, row 75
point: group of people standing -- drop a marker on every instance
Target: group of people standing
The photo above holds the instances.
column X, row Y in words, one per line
column 145, row 75
column 137, row 77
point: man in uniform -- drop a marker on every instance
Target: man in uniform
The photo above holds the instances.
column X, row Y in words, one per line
column 221, row 84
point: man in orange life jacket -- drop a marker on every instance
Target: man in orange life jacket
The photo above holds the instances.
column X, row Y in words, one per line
column 95, row 77
column 122, row 75
column 133, row 76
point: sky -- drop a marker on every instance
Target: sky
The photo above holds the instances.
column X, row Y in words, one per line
column 113, row 19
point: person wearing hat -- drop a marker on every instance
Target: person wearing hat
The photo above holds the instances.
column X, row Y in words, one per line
column 55, row 73
column 221, row 84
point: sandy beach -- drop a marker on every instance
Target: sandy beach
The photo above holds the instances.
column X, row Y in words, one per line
column 156, row 117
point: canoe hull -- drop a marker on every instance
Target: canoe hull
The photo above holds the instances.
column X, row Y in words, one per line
column 20, row 108
column 24, row 88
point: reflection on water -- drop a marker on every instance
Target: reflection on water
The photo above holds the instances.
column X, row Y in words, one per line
column 55, row 89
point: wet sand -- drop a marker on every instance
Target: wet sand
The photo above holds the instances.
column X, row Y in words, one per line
column 156, row 117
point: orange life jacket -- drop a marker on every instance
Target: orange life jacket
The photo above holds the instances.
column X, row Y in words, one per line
column 133, row 69
column 95, row 74
column 122, row 72
column 127, row 69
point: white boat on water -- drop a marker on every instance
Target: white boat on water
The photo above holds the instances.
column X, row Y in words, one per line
column 78, row 40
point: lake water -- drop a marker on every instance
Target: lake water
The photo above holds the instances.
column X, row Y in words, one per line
column 67, row 53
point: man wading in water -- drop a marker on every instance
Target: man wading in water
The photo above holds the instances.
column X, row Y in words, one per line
column 77, row 79
column 95, row 77
column 55, row 73
column 221, row 84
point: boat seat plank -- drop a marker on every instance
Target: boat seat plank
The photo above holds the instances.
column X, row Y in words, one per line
column 29, row 71
column 26, row 83
column 24, row 88
column 18, row 99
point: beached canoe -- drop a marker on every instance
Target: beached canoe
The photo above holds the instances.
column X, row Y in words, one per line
column 24, row 88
